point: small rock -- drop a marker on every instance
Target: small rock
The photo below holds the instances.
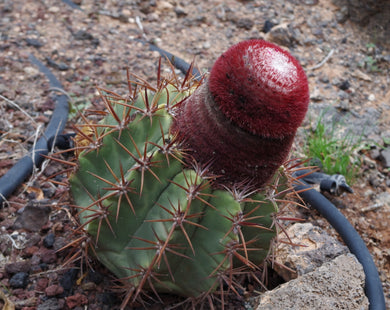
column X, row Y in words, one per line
column 54, row 9
column 31, row 71
column 342, row 14
column 107, row 298
column 86, row 36
column 375, row 153
column 48, row 256
column 49, row 241
column 34, row 42
column 375, row 179
column 7, row 7
column 385, row 157
column 268, row 25
column 68, row 279
column 49, row 304
column 245, row 23
column 282, row 34
column 22, row 266
column 164, row 6
column 41, row 284
column 95, row 277
column 310, row 2
column 315, row 247
column 76, row 300
column 338, row 284
column 83, row 35
column 88, row 286
column 19, row 280
column 32, row 218
column 54, row 290
column 384, row 198
column 344, row 85
column 180, row 11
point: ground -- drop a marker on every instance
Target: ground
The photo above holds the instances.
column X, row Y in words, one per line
column 342, row 48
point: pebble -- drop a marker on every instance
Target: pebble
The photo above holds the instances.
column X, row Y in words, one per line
column 88, row 286
column 49, row 304
column 282, row 35
column 375, row 153
column 32, row 218
column 107, row 298
column 95, row 277
column 54, row 290
column 268, row 25
column 31, row 71
column 48, row 241
column 385, row 157
column 344, row 85
column 41, row 284
column 68, row 279
column 19, row 280
column 245, row 23
column 48, row 256
column 54, row 9
column 180, row 11
column 17, row 267
column 342, row 15
column 76, row 300
column 34, row 42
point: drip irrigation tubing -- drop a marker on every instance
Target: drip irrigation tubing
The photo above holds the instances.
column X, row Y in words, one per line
column 25, row 166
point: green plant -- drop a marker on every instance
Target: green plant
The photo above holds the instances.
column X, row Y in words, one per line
column 77, row 104
column 176, row 195
column 332, row 150
column 370, row 62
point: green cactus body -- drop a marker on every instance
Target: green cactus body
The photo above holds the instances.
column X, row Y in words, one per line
column 155, row 220
column 159, row 219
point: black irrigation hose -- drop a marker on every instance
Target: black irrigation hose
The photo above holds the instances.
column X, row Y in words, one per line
column 373, row 285
column 24, row 167
column 72, row 4
column 177, row 62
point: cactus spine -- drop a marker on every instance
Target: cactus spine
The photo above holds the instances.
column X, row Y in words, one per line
column 170, row 184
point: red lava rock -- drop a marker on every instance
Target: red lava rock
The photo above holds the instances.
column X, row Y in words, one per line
column 41, row 284
column 32, row 218
column 22, row 266
column 48, row 256
column 21, row 293
column 36, row 258
column 30, row 251
column 54, row 290
column 76, row 300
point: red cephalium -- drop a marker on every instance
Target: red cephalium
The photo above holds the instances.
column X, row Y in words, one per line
column 244, row 118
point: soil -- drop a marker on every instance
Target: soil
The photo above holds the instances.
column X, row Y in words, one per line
column 90, row 43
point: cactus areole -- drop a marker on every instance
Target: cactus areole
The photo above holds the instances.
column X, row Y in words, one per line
column 178, row 185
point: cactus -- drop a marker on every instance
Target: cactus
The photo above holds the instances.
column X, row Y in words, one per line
column 178, row 184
